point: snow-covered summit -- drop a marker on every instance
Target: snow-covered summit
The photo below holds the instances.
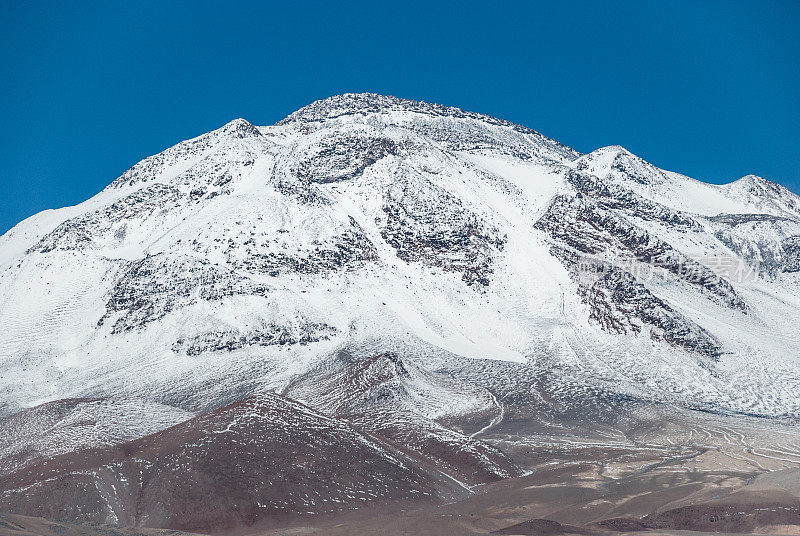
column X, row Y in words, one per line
column 368, row 103
column 243, row 259
column 764, row 195
column 456, row 127
column 617, row 164
column 241, row 128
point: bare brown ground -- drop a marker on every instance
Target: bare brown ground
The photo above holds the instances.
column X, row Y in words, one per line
column 631, row 492
column 16, row 525
column 647, row 494
column 664, row 474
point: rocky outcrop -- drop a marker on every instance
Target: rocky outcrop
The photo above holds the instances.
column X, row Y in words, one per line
column 791, row 254
column 615, row 197
column 348, row 250
column 426, row 224
column 301, row 333
column 81, row 231
column 453, row 128
column 344, row 156
column 149, row 289
column 587, row 227
column 621, row 304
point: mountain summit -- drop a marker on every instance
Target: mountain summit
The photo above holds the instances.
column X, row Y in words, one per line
column 404, row 277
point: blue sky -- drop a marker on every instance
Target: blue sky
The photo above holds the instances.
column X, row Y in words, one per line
column 710, row 89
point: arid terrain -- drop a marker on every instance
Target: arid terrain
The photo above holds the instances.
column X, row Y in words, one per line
column 684, row 471
column 693, row 495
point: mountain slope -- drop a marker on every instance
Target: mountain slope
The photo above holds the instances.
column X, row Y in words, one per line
column 36, row 434
column 426, row 277
column 240, row 256
column 263, row 458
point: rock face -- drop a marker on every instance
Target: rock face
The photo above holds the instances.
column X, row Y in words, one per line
column 434, row 228
column 415, row 279
column 454, row 128
column 149, row 289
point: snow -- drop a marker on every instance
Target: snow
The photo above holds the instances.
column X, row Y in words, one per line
column 747, row 195
column 232, row 204
column 73, row 425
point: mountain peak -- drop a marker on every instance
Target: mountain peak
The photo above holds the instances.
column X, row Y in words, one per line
column 368, row 103
column 351, row 104
column 241, row 128
column 756, row 184
column 751, row 179
column 456, row 128
column 765, row 191
column 612, row 150
column 618, row 163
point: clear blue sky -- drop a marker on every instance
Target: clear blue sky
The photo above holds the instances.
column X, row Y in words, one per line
column 710, row 89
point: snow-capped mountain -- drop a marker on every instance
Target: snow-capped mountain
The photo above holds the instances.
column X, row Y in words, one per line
column 410, row 271
column 238, row 260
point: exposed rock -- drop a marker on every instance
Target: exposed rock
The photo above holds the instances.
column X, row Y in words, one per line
column 301, row 333
column 429, row 225
column 584, row 225
column 343, row 157
column 621, row 304
column 149, row 289
column 791, row 254
column 349, row 250
column 455, row 128
column 615, row 197
column 79, row 232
